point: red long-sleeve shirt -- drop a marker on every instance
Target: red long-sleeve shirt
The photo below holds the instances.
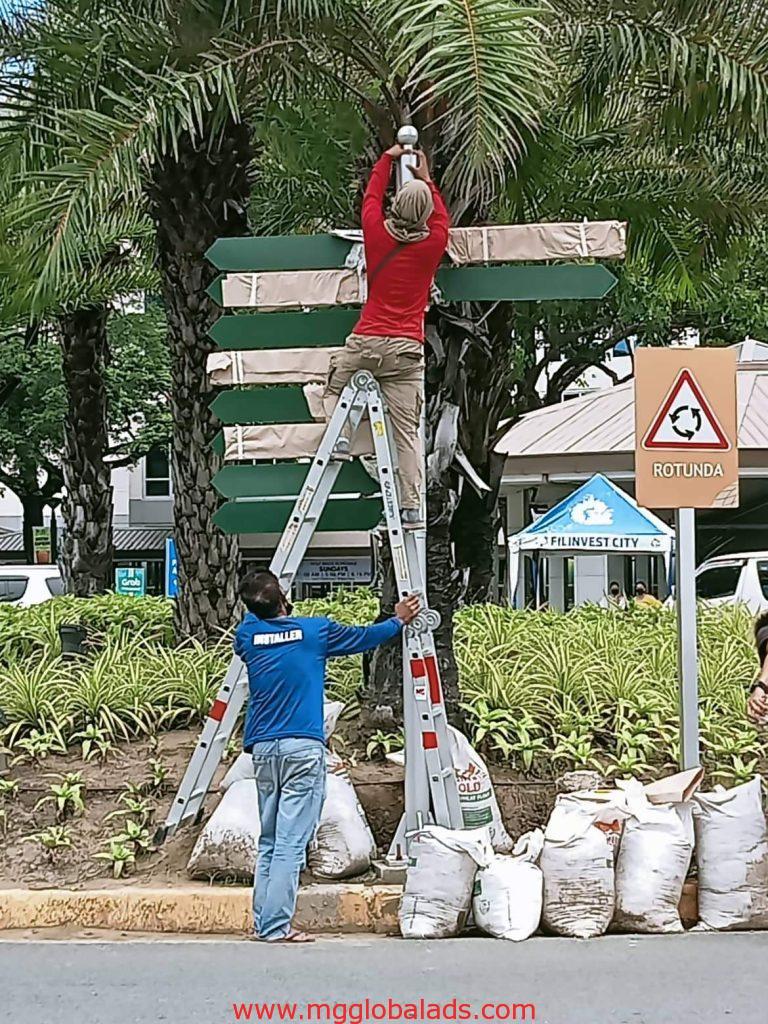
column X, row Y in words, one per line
column 399, row 294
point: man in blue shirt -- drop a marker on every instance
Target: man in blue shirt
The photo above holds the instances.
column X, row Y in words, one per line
column 285, row 657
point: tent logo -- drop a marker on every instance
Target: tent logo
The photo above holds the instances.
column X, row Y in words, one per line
column 592, row 512
column 686, row 421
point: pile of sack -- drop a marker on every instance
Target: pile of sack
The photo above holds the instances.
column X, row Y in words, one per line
column 228, row 845
column 614, row 858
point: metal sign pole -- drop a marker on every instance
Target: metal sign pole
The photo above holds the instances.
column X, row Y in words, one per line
column 416, row 782
column 687, row 646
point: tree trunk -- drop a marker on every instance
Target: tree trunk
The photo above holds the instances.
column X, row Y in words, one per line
column 32, row 510
column 197, row 194
column 86, row 548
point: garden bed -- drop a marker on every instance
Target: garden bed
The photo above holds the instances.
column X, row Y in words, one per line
column 542, row 693
column 24, row 863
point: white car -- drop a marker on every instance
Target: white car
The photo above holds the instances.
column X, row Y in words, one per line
column 26, row 585
column 735, row 579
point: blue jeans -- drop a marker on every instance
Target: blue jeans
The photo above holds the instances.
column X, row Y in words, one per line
column 290, row 778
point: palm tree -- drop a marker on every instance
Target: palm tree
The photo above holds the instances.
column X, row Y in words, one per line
column 653, row 113
column 86, row 146
column 91, row 263
column 163, row 128
column 659, row 118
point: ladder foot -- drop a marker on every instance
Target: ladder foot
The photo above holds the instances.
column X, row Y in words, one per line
column 160, row 836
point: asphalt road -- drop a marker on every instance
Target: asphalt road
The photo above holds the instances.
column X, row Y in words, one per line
column 697, row 978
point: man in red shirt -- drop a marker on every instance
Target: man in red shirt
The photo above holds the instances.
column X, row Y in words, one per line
column 402, row 252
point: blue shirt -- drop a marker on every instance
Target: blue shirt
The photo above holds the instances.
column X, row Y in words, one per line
column 285, row 659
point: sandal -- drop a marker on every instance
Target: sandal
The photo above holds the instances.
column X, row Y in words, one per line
column 293, row 936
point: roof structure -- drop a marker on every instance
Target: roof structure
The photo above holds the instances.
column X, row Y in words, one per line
column 602, row 424
column 133, row 539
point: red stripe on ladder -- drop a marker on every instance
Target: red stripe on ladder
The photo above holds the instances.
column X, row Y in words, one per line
column 435, row 689
column 429, row 740
column 217, row 710
column 417, row 668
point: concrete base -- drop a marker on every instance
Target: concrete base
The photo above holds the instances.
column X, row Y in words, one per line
column 390, row 874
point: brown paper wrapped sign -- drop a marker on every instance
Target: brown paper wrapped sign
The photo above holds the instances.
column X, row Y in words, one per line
column 285, row 441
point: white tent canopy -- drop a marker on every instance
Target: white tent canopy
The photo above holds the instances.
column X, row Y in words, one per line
column 597, row 519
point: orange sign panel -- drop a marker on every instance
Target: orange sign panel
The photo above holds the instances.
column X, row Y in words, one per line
column 686, row 452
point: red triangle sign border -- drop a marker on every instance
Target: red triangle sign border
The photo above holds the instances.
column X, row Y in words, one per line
column 685, row 376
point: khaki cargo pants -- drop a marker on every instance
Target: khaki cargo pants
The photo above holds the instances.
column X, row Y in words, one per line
column 398, row 366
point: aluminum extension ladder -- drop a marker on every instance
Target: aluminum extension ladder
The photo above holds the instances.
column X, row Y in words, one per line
column 431, row 788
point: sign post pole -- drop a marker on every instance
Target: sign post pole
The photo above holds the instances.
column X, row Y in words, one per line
column 686, row 457
column 687, row 642
column 417, row 799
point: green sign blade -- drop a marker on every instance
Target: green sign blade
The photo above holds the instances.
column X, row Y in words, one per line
column 272, row 516
column 321, row 328
column 214, row 290
column 287, row 478
column 525, row 282
column 279, row 252
column 258, row 405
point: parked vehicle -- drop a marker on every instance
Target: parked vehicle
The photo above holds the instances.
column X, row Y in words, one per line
column 26, row 585
column 735, row 579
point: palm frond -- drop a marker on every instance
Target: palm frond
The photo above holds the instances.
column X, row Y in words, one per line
column 477, row 71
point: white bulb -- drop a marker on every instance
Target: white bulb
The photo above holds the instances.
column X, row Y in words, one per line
column 407, row 135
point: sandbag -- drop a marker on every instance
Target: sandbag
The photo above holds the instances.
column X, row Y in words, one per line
column 479, row 807
column 732, row 855
column 242, row 767
column 439, row 880
column 343, row 845
column 229, row 844
column 577, row 862
column 508, row 893
column 651, row 868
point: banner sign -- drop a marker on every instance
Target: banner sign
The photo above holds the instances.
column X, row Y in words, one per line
column 131, row 582
column 335, row 570
column 171, row 568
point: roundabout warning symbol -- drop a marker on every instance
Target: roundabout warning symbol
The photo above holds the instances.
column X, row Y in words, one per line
column 685, row 421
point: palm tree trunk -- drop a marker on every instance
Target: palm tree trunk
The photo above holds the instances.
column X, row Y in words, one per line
column 197, row 194
column 86, row 549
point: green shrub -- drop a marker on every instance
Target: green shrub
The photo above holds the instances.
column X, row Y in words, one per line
column 25, row 632
column 542, row 691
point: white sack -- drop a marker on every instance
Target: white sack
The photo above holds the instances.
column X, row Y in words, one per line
column 508, row 893
column 343, row 845
column 479, row 807
column 439, row 879
column 229, row 843
column 578, row 862
column 651, row 869
column 732, row 854
column 242, row 767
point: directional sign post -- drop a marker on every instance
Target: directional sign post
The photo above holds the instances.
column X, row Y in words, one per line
column 686, row 457
column 685, row 406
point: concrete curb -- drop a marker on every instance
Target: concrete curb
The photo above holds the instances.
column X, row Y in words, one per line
column 197, row 909
column 217, row 910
